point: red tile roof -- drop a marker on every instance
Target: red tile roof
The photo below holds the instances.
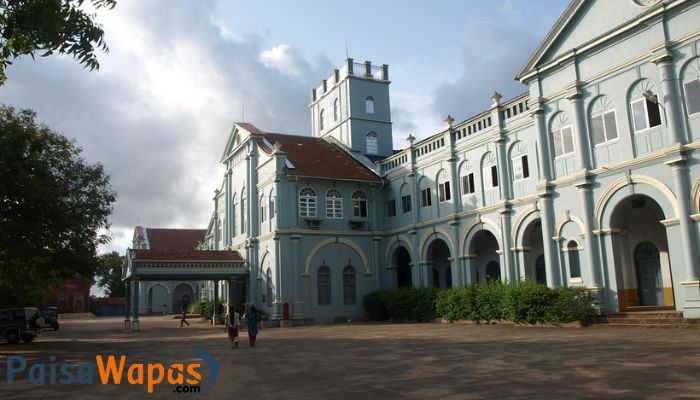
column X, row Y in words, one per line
column 315, row 157
column 174, row 239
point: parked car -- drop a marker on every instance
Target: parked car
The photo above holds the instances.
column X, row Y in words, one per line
column 16, row 323
column 50, row 316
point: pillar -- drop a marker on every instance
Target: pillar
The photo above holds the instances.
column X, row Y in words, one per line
column 551, row 250
column 669, row 101
column 543, row 156
column 582, row 151
column 468, row 262
column 231, row 295
column 506, row 227
column 591, row 243
column 135, row 300
column 688, row 233
column 216, row 302
column 127, row 305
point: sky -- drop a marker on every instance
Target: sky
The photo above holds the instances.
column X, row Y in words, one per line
column 179, row 73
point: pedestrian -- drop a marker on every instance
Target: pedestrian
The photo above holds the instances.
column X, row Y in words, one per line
column 253, row 319
column 233, row 325
column 183, row 316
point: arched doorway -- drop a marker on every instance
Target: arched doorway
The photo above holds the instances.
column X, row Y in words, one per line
column 402, row 261
column 439, row 264
column 487, row 261
column 642, row 264
column 182, row 296
column 540, row 270
column 158, row 299
column 647, row 262
column 533, row 253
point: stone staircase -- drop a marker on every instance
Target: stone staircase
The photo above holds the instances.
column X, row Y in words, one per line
column 647, row 319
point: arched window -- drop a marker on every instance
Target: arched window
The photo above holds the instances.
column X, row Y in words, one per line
column 691, row 86
column 349, row 296
column 323, row 280
column 574, row 260
column 372, row 146
column 321, row 121
column 519, row 161
column 234, row 210
column 243, row 211
column 645, row 112
column 272, row 206
column 493, row 271
column 219, row 236
column 359, row 204
column 336, row 109
column 603, row 121
column 562, row 135
column 444, row 193
column 268, row 277
column 307, row 202
column 334, row 204
column 263, row 209
column 489, row 170
column 369, row 105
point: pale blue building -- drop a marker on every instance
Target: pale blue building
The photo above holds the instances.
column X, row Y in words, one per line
column 591, row 178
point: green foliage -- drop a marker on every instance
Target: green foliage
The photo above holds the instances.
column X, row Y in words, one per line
column 525, row 302
column 52, row 204
column 109, row 269
column 94, row 305
column 48, row 26
column 404, row 304
column 205, row 309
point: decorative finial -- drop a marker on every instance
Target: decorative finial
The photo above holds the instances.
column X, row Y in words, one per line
column 449, row 120
column 496, row 99
column 410, row 139
column 278, row 146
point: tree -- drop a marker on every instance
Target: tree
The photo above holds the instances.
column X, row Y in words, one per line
column 48, row 26
column 52, row 205
column 110, row 272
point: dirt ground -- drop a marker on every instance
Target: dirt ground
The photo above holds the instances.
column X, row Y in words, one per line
column 375, row 361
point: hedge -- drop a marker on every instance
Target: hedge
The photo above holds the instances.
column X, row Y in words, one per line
column 525, row 302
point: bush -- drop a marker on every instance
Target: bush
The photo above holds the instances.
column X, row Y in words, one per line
column 404, row 304
column 524, row 301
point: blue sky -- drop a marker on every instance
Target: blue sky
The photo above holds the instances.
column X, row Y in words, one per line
column 179, row 73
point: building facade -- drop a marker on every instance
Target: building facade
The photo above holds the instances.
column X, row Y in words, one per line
column 591, row 178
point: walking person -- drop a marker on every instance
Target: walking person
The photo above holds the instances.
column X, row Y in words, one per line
column 183, row 316
column 233, row 326
column 253, row 319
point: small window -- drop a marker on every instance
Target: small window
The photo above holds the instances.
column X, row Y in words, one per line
column 323, row 278
column 372, row 145
column 307, row 202
column 262, row 212
column 490, row 177
column 336, row 109
column 468, row 183
column 369, row 105
column 563, row 141
column 444, row 191
column 692, row 96
column 359, row 204
column 272, row 207
column 334, row 204
column 243, row 214
column 425, row 198
column 269, row 287
column 321, row 121
column 521, row 169
column 574, row 260
column 406, row 203
column 604, row 127
column 391, row 208
column 645, row 114
column 349, row 296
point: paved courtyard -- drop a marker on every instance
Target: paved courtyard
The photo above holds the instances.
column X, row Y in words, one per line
column 367, row 361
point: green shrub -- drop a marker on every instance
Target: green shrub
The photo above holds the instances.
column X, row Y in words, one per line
column 374, row 305
column 404, row 304
column 487, row 301
column 571, row 305
column 528, row 301
column 457, row 303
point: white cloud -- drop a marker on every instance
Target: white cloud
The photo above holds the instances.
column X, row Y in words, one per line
column 282, row 58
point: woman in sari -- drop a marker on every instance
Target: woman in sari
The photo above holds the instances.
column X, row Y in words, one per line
column 253, row 319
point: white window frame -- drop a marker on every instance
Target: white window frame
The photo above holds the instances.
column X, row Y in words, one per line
column 560, row 131
column 307, row 202
column 336, row 109
column 425, row 197
column 372, row 142
column 470, row 187
column 602, row 115
column 359, row 204
column 489, row 175
column 369, row 105
column 521, row 167
column 334, row 204
column 646, row 114
column 685, row 95
column 444, row 192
